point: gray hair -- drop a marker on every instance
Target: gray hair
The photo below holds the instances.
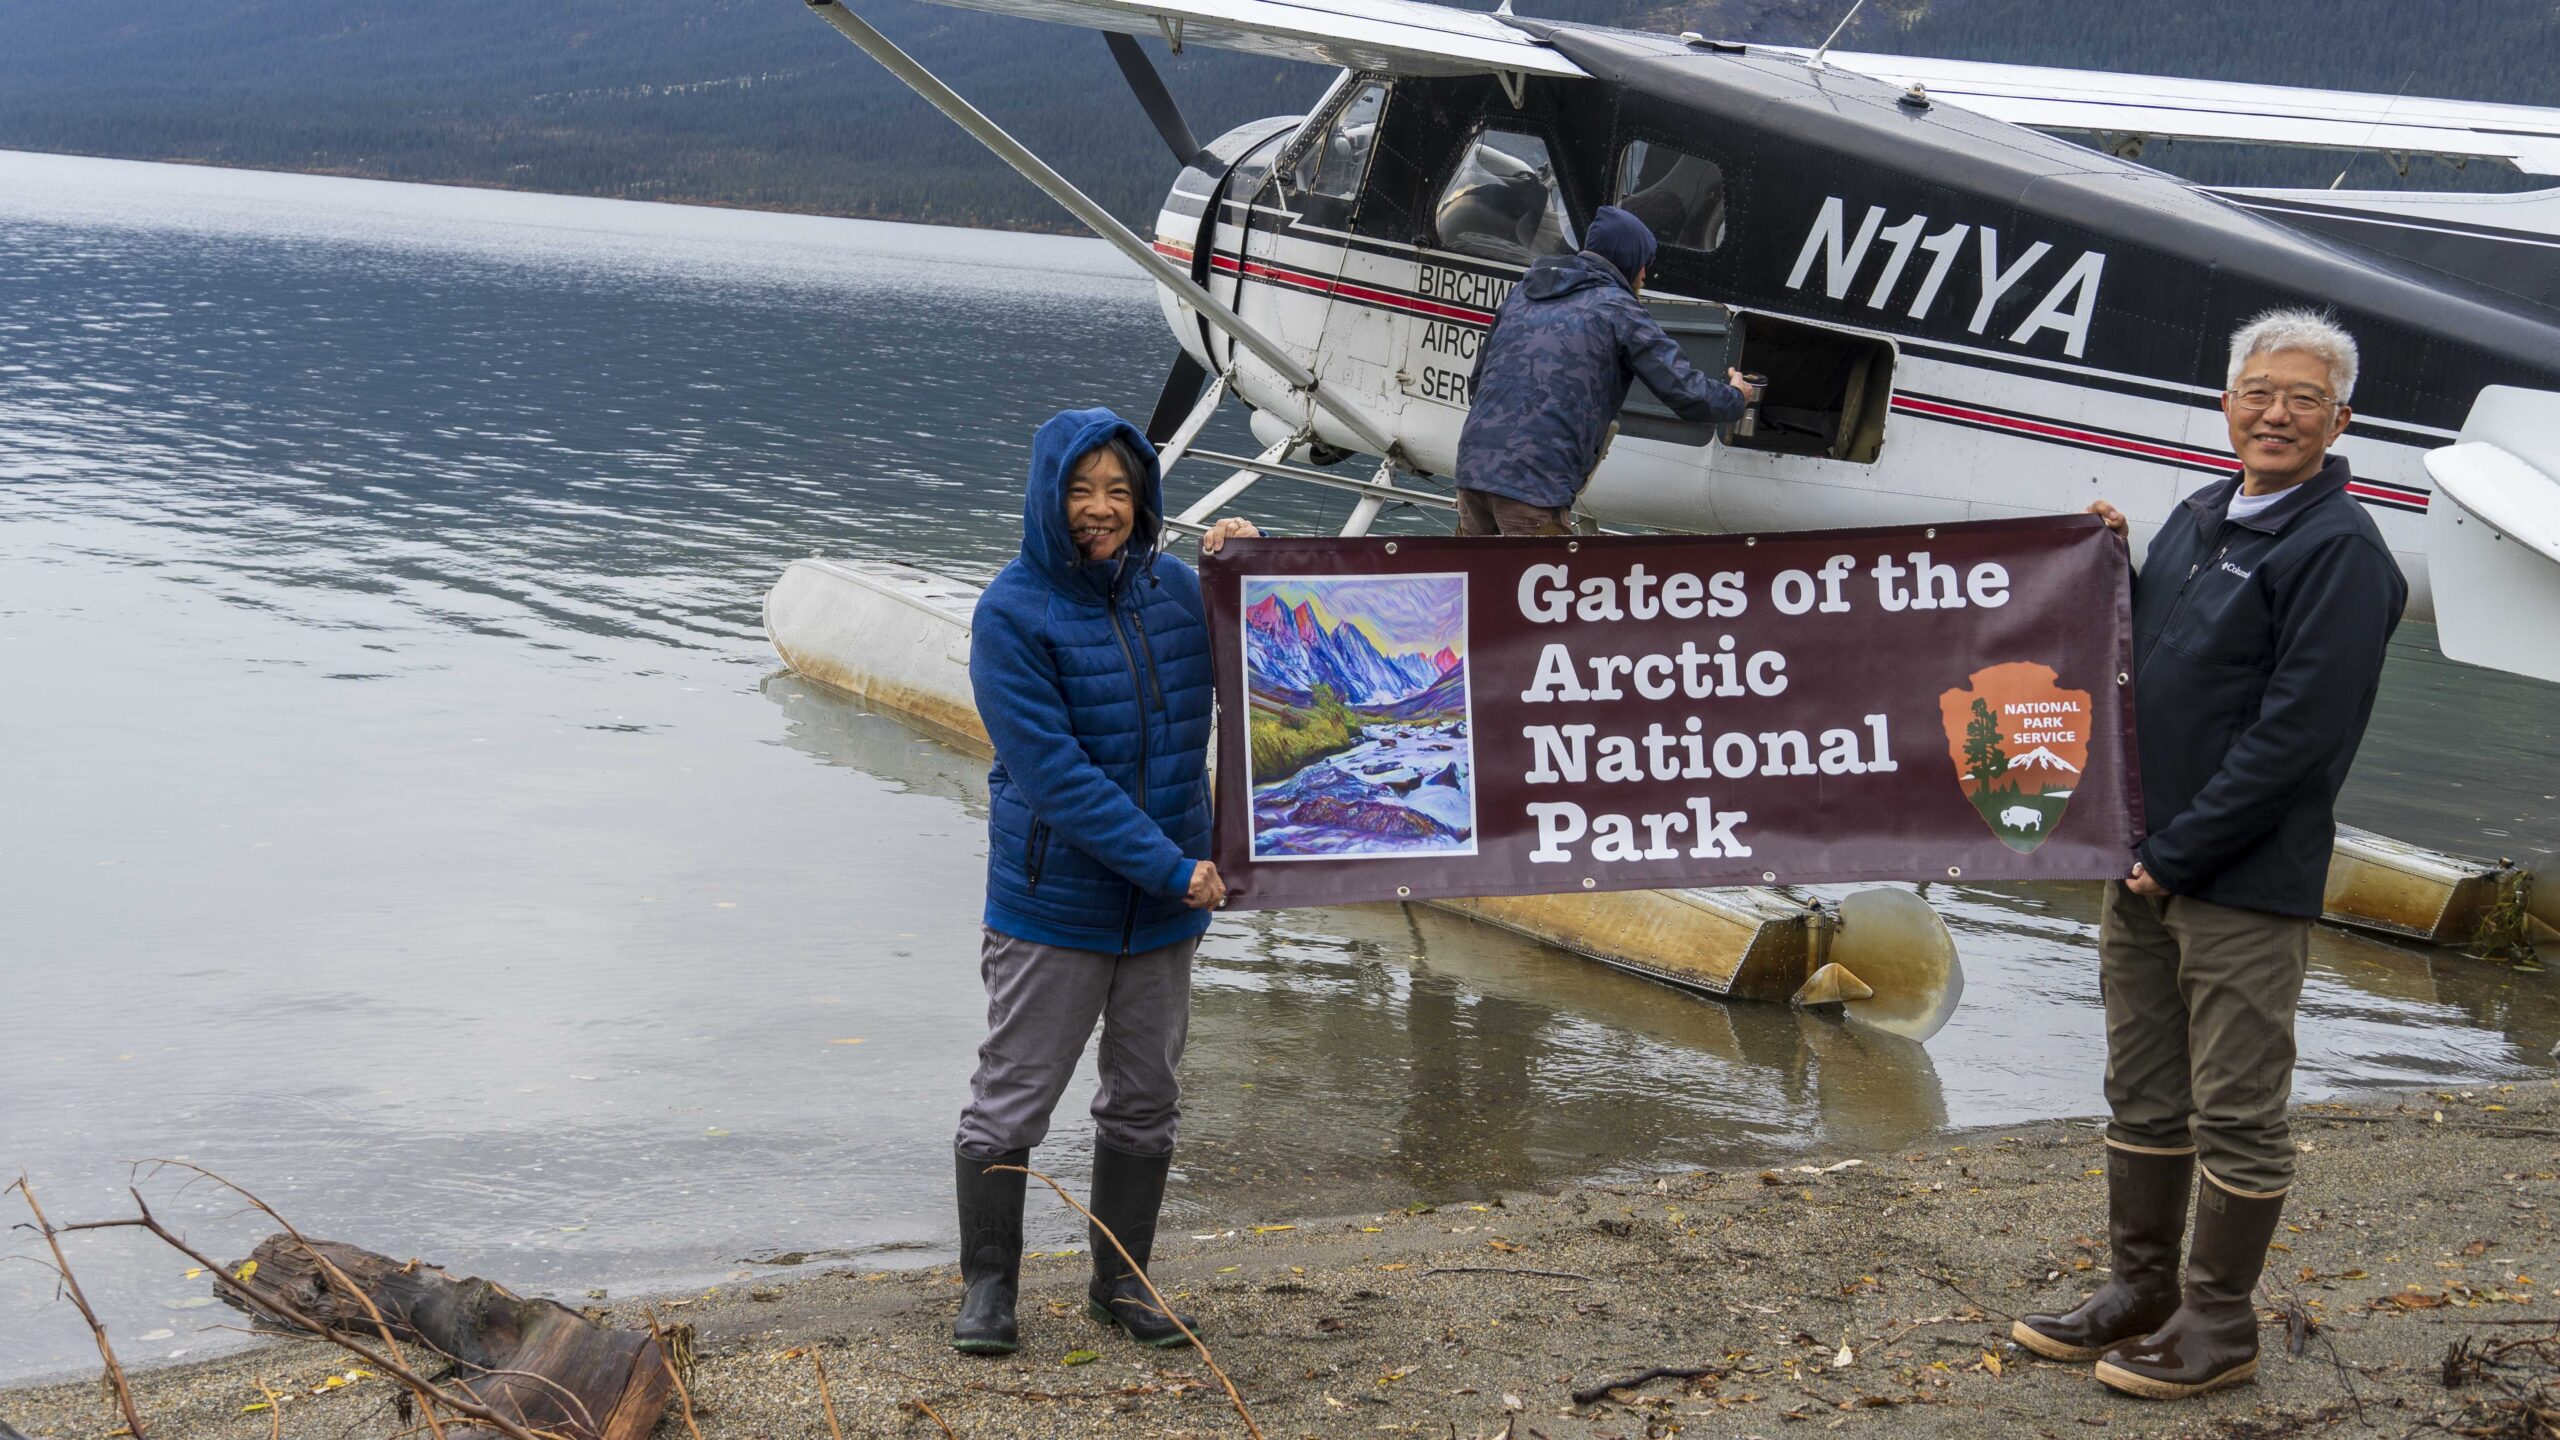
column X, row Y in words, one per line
column 2312, row 332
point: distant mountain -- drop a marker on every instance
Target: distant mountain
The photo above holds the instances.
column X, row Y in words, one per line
column 2042, row 758
column 1291, row 649
column 754, row 102
column 1446, row 699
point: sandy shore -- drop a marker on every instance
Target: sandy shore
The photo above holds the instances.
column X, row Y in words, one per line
column 1867, row 1292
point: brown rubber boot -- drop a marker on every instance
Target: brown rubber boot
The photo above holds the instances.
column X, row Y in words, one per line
column 2213, row 1339
column 2146, row 1217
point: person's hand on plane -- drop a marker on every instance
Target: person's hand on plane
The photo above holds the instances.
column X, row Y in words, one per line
column 1735, row 378
column 1234, row 527
column 2115, row 522
column 1207, row 892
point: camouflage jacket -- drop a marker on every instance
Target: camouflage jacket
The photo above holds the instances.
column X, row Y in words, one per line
column 1566, row 344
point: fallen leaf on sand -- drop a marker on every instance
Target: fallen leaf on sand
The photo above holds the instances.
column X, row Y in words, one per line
column 1079, row 1357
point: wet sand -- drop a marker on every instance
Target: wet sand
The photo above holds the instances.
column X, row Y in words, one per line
column 1872, row 1295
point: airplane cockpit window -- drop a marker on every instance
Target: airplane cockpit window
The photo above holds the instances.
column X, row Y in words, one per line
column 1335, row 164
column 1503, row 204
column 1679, row 196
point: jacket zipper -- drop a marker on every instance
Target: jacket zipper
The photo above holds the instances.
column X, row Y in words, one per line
column 1138, row 617
column 1137, row 685
column 1037, row 851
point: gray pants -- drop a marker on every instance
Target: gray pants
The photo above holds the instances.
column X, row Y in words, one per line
column 1042, row 1001
column 2200, row 1003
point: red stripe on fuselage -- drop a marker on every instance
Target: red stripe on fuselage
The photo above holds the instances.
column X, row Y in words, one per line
column 2158, row 450
column 1320, row 285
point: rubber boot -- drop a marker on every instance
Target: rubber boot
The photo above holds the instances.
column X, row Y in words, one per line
column 2213, row 1339
column 2146, row 1217
column 990, row 1252
column 1127, row 1191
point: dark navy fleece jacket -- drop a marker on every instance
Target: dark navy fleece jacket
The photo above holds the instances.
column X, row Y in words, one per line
column 1094, row 683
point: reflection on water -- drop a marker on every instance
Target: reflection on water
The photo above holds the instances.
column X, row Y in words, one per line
column 401, row 813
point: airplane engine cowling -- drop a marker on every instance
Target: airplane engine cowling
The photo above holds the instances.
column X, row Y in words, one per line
column 1231, row 168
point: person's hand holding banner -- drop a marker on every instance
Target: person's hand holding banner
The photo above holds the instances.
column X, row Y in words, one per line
column 1424, row 717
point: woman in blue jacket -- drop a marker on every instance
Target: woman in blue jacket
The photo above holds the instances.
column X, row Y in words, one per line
column 1089, row 656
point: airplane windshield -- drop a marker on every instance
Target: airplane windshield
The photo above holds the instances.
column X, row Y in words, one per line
column 1503, row 203
column 1677, row 195
column 1336, row 164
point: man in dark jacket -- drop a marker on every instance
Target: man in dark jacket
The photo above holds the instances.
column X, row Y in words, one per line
column 2259, row 617
column 1553, row 374
column 1089, row 659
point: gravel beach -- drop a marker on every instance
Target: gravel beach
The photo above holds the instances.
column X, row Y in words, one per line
column 1855, row 1292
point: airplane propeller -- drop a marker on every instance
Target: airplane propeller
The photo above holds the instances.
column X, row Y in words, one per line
column 1182, row 387
column 1154, row 98
column 1183, row 384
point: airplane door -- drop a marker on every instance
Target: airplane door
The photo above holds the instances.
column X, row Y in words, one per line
column 1299, row 252
column 1498, row 206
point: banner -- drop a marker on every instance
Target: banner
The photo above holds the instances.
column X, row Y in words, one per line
column 1420, row 717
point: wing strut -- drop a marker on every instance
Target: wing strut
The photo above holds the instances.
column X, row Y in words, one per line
column 1014, row 153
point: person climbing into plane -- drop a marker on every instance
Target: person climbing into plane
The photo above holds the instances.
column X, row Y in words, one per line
column 2260, row 618
column 1553, row 374
column 1089, row 658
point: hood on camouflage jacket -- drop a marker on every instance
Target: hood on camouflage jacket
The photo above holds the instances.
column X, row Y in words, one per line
column 1093, row 681
column 1554, row 372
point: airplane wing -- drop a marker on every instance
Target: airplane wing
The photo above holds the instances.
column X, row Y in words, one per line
column 2525, row 136
column 1400, row 37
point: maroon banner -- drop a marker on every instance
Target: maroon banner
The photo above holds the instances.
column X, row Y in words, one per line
column 1424, row 717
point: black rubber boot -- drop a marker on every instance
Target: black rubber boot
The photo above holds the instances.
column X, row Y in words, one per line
column 2146, row 1217
column 990, row 1252
column 1127, row 1191
column 2213, row 1339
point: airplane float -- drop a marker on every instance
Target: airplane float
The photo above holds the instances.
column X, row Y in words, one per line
column 1961, row 316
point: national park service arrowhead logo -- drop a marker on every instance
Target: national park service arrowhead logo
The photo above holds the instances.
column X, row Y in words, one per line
column 2019, row 742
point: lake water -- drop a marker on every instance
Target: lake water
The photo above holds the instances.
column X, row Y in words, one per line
column 401, row 813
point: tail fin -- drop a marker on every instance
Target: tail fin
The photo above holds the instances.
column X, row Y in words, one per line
column 2493, row 535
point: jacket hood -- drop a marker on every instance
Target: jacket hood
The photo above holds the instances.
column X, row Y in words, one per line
column 1062, row 440
column 1563, row 274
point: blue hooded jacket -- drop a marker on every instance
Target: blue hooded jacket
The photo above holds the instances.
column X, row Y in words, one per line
column 1094, row 683
column 1567, row 342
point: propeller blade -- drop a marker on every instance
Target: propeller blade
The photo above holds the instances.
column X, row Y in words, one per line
column 1182, row 388
column 1156, row 100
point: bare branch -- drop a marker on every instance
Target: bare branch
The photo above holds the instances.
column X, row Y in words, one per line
column 71, row 1286
column 427, row 1391
column 666, row 1357
column 1163, row 1306
column 824, row 1398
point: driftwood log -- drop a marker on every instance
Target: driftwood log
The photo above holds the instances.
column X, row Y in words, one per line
column 536, row 1362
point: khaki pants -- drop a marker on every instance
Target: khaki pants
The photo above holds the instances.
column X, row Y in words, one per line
column 2200, row 1000
column 1481, row 512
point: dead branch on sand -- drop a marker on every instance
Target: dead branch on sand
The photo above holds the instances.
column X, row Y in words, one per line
column 71, row 1287
column 1162, row 1306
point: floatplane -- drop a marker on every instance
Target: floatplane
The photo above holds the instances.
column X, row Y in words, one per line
column 1960, row 313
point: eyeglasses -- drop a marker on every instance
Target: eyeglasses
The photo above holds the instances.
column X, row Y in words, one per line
column 2299, row 402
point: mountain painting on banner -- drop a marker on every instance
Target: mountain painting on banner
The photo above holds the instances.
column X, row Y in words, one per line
column 1358, row 741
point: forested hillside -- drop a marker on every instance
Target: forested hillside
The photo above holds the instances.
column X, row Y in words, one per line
column 754, row 102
